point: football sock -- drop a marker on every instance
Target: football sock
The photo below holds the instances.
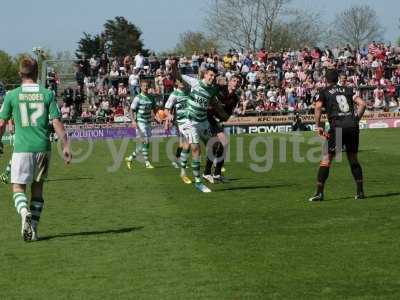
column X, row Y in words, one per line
column 356, row 170
column 21, row 203
column 145, row 151
column 323, row 174
column 220, row 159
column 184, row 159
column 207, row 169
column 36, row 208
column 8, row 169
column 196, row 169
column 178, row 152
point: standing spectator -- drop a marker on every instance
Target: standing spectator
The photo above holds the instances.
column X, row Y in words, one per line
column 114, row 77
column 127, row 63
column 134, row 83
column 139, row 61
column 168, row 84
column 80, row 79
column 195, row 63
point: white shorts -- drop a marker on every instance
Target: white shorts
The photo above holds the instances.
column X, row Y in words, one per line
column 143, row 130
column 29, row 167
column 195, row 132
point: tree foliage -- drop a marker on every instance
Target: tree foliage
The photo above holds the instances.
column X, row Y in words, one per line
column 119, row 38
column 8, row 69
column 124, row 37
column 89, row 45
column 357, row 25
column 191, row 41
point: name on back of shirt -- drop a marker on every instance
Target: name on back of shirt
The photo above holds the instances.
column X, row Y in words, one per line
column 31, row 97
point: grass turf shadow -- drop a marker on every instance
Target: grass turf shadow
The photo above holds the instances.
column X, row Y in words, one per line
column 367, row 197
column 254, row 187
column 89, row 233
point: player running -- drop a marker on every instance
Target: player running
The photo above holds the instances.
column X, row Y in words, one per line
column 229, row 99
column 31, row 106
column 142, row 108
column 177, row 102
column 344, row 120
column 203, row 94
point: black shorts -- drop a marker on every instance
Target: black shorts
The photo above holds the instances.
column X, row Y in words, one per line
column 215, row 127
column 343, row 138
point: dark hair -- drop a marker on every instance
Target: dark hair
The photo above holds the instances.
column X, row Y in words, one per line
column 211, row 68
column 331, row 76
column 28, row 68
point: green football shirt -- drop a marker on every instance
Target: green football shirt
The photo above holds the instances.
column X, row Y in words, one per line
column 31, row 107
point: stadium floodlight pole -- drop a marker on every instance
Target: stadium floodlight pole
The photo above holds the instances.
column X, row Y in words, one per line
column 39, row 52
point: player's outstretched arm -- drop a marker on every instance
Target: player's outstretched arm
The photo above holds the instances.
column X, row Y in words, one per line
column 361, row 106
column 60, row 131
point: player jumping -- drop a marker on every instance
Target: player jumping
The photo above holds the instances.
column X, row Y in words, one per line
column 203, row 94
column 229, row 99
column 142, row 108
column 31, row 106
column 344, row 120
column 177, row 102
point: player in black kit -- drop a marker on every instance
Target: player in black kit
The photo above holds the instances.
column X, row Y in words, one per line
column 229, row 99
column 339, row 103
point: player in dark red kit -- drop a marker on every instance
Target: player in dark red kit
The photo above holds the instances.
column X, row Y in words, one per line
column 344, row 111
column 229, row 99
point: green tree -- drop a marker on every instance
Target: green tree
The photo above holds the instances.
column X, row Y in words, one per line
column 8, row 69
column 123, row 37
column 190, row 42
column 89, row 45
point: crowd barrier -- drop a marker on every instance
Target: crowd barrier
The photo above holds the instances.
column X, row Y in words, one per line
column 237, row 125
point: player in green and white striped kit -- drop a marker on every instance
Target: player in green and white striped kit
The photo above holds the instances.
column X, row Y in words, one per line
column 141, row 110
column 177, row 102
column 203, row 94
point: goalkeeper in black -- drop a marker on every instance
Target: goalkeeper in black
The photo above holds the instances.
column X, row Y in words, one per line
column 344, row 111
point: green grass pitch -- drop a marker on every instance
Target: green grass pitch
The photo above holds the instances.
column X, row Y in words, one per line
column 145, row 235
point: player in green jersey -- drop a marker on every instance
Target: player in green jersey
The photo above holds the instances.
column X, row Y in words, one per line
column 142, row 108
column 177, row 102
column 31, row 106
column 202, row 96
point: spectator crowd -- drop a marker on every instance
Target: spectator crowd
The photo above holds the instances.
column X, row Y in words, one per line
column 273, row 82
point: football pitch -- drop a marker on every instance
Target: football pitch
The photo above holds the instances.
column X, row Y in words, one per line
column 142, row 234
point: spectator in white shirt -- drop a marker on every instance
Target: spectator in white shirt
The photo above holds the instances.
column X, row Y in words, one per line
column 139, row 61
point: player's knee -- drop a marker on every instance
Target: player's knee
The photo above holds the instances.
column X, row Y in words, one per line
column 37, row 189
column 19, row 188
column 325, row 163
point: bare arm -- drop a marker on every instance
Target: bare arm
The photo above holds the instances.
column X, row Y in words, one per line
column 318, row 113
column 60, row 131
column 361, row 106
